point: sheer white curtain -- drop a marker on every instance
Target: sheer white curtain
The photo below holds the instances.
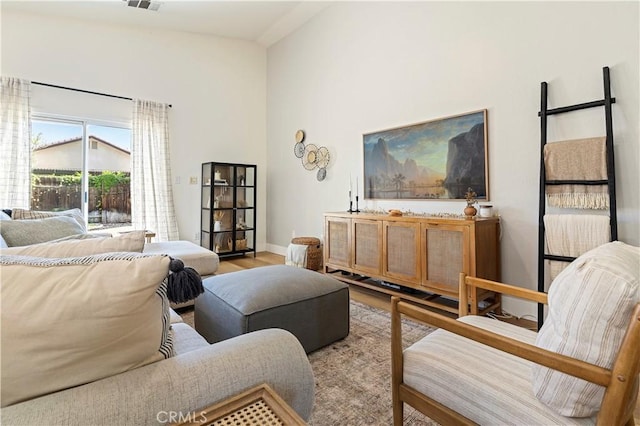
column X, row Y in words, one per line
column 152, row 195
column 15, row 143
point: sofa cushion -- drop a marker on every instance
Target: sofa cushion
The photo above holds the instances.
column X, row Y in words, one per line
column 131, row 242
column 486, row 385
column 23, row 214
column 186, row 339
column 65, row 322
column 204, row 261
column 26, row 232
column 590, row 304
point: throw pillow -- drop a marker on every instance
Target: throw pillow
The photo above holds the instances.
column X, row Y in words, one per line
column 22, row 214
column 4, row 216
column 26, row 232
column 66, row 322
column 129, row 242
column 590, row 305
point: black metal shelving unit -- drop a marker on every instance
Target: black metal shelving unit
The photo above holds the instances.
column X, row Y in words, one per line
column 544, row 113
column 228, row 208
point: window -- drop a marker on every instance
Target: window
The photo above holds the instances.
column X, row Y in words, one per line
column 82, row 164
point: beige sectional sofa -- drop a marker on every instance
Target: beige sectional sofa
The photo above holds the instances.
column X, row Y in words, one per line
column 199, row 375
column 88, row 337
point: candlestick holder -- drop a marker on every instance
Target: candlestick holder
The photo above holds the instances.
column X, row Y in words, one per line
column 350, row 207
column 357, row 210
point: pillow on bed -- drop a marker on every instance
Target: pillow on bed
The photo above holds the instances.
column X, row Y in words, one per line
column 26, row 232
column 23, row 214
column 590, row 305
column 70, row 321
column 128, row 242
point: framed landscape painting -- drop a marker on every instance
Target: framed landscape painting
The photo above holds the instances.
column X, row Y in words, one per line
column 433, row 160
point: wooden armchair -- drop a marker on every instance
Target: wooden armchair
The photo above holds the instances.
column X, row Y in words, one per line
column 477, row 370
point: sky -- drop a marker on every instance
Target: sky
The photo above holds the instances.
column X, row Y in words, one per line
column 427, row 143
column 57, row 131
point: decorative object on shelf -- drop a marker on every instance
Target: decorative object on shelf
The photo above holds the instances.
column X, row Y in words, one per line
column 312, row 157
column 445, row 215
column 351, row 210
column 455, row 148
column 395, row 213
column 470, row 196
column 486, row 210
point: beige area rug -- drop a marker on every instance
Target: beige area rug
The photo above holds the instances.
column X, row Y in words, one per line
column 353, row 375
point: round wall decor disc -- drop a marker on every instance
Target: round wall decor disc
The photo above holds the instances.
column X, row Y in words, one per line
column 298, row 149
column 299, row 136
column 323, row 157
column 310, row 157
column 322, row 173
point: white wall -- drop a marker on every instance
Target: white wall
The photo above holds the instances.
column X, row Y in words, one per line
column 360, row 67
column 217, row 87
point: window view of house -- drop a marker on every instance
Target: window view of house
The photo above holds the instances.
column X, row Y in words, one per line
column 75, row 164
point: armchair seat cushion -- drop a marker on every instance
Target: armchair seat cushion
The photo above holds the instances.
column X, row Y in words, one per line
column 481, row 383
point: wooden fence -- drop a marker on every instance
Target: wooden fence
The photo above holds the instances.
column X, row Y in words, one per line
column 114, row 206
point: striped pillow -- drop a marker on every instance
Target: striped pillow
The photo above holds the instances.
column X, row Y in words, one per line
column 70, row 321
column 590, row 304
column 22, row 214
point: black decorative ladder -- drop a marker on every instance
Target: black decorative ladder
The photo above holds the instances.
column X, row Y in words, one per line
column 610, row 181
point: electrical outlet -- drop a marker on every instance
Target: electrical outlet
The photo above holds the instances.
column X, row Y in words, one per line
column 196, row 236
column 178, row 179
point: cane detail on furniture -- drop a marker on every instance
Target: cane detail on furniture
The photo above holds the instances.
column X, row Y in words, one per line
column 228, row 208
column 442, row 377
column 420, row 253
column 260, row 405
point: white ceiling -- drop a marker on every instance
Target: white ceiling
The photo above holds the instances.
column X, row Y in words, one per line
column 264, row 22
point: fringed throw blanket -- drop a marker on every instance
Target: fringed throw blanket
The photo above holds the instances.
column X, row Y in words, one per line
column 572, row 235
column 578, row 159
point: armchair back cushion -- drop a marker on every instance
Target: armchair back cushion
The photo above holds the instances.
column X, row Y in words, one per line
column 590, row 304
column 70, row 321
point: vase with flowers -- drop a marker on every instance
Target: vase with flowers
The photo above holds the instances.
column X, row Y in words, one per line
column 217, row 221
column 470, row 196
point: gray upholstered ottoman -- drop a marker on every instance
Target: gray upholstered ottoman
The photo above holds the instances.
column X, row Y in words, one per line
column 312, row 306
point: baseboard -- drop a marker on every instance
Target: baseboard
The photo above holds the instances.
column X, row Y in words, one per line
column 282, row 251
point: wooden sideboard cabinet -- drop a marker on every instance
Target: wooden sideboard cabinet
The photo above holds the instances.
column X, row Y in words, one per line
column 422, row 254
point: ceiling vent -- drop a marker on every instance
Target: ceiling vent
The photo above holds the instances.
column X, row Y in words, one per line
column 143, row 4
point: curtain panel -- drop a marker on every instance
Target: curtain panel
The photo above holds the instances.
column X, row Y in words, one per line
column 151, row 190
column 15, row 143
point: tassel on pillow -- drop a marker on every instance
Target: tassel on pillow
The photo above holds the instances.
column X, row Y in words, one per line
column 184, row 282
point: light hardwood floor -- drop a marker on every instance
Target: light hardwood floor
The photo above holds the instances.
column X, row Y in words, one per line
column 359, row 294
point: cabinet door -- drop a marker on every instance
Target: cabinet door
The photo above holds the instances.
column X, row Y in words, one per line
column 401, row 245
column 367, row 246
column 337, row 245
column 445, row 252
